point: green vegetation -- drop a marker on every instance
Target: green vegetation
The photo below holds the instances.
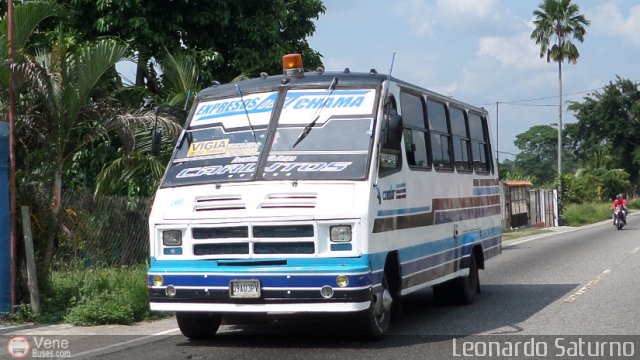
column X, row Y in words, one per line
column 94, row 296
column 83, row 129
column 588, row 213
column 574, row 215
column 599, row 151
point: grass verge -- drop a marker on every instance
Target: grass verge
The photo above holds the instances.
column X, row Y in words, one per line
column 515, row 234
column 94, row 296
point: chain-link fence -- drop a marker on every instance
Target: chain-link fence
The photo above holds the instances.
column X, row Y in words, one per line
column 103, row 230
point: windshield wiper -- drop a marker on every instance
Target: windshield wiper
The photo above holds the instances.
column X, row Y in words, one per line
column 307, row 129
column 246, row 112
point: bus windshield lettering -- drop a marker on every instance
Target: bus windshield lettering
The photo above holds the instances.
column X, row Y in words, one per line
column 224, row 142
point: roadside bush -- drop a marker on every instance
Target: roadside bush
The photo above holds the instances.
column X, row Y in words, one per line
column 587, row 213
column 97, row 296
column 21, row 314
column 634, row 203
column 103, row 308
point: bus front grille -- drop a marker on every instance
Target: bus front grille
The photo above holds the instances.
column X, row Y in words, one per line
column 254, row 240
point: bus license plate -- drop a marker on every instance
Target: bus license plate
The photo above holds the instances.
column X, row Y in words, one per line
column 244, row 289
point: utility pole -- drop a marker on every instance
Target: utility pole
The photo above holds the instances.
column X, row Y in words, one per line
column 12, row 159
column 560, row 145
column 497, row 136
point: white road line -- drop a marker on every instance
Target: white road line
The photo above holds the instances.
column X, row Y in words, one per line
column 92, row 351
column 635, row 250
column 176, row 330
column 510, row 244
column 588, row 286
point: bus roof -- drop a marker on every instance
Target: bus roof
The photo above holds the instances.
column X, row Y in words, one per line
column 319, row 79
column 310, row 79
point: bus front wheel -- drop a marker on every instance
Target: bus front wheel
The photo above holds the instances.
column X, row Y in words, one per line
column 376, row 320
column 197, row 325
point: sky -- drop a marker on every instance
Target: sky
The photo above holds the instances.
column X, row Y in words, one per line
column 480, row 52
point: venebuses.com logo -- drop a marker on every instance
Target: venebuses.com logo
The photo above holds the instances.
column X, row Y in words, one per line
column 18, row 347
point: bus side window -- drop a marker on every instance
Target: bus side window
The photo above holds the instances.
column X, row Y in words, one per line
column 439, row 135
column 461, row 149
column 479, row 144
column 415, row 131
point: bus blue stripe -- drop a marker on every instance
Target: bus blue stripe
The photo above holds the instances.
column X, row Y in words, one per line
column 317, row 272
column 266, row 280
column 406, row 211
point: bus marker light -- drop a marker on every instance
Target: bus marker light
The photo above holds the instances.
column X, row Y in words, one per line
column 292, row 64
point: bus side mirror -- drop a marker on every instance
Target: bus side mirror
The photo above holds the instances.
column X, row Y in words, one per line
column 155, row 142
column 156, row 137
column 393, row 130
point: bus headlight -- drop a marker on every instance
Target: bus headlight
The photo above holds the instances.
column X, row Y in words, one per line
column 172, row 238
column 158, row 280
column 340, row 233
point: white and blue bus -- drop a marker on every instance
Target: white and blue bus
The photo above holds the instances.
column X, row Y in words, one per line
column 318, row 192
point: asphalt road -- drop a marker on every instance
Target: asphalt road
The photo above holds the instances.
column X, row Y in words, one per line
column 558, row 295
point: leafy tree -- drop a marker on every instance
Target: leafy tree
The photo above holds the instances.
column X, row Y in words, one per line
column 538, row 150
column 555, row 23
column 594, row 185
column 226, row 37
column 505, row 167
column 608, row 127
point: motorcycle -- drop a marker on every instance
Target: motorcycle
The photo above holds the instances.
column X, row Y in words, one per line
column 618, row 217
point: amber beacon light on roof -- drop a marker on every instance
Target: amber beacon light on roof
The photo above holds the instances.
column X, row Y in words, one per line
column 292, row 64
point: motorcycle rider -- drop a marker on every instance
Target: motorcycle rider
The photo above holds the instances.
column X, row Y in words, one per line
column 622, row 202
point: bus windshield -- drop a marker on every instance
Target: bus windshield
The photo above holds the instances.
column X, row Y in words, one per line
column 318, row 134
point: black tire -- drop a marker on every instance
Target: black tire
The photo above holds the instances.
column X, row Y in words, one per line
column 198, row 325
column 620, row 224
column 469, row 285
column 376, row 320
column 392, row 270
column 460, row 290
column 444, row 292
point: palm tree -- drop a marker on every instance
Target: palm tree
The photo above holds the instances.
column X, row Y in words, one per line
column 64, row 80
column 26, row 17
column 137, row 166
column 559, row 20
column 136, row 172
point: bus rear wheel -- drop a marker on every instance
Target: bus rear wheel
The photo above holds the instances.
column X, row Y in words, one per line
column 460, row 290
column 197, row 325
column 468, row 286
